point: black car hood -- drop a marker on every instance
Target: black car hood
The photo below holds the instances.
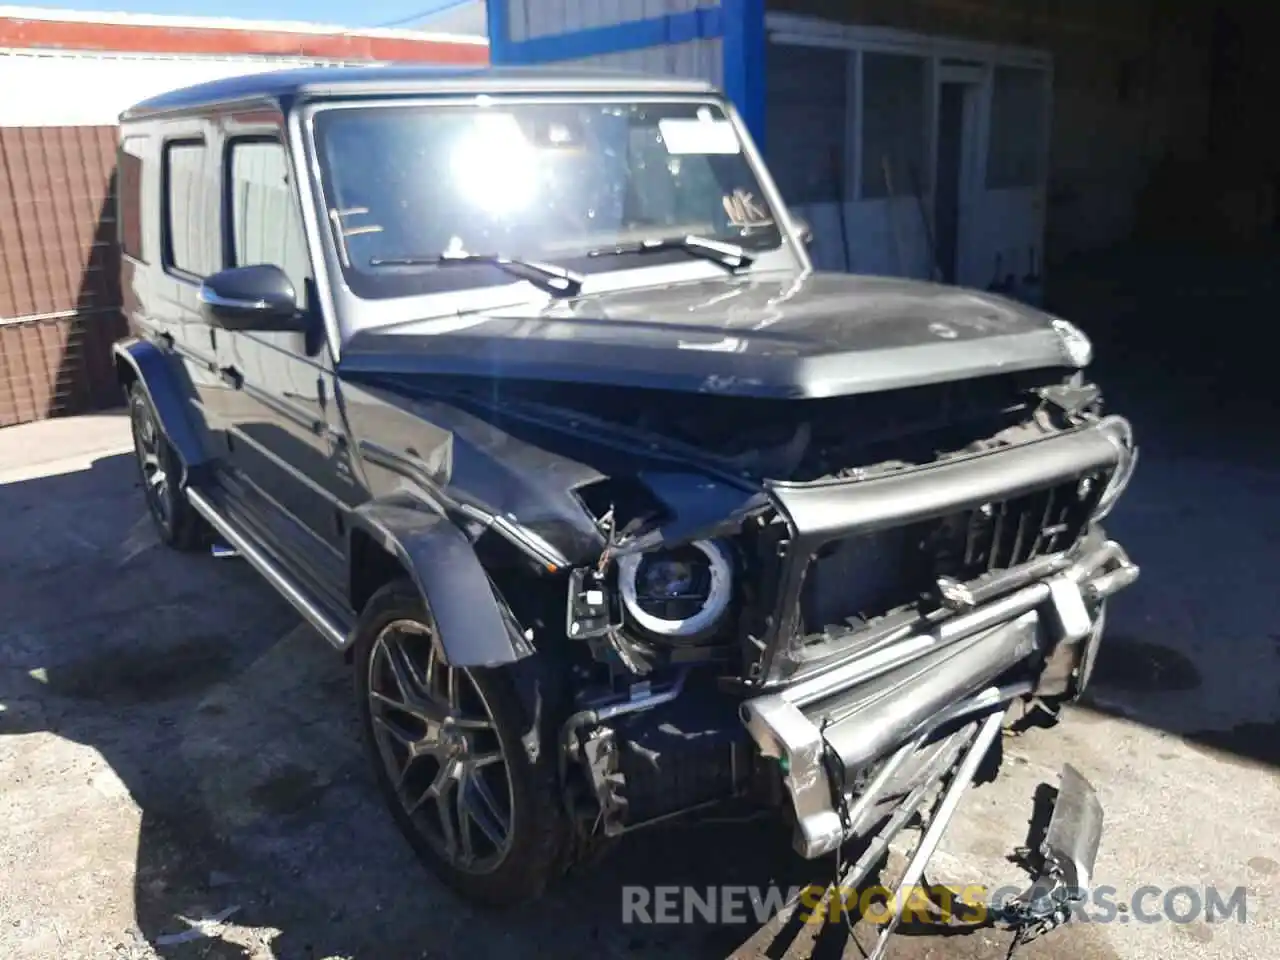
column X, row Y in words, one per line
column 818, row 335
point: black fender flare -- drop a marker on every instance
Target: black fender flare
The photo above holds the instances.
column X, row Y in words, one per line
column 141, row 360
column 475, row 626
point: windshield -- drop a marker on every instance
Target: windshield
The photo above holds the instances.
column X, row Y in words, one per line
column 547, row 182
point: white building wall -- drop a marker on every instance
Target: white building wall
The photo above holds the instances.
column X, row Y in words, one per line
column 696, row 59
column 542, row 18
column 79, row 89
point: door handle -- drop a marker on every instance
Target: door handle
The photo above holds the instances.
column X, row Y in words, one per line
column 232, row 376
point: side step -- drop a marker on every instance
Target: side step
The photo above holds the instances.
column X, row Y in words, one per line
column 330, row 626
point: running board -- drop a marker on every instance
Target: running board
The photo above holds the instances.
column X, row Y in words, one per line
column 248, row 548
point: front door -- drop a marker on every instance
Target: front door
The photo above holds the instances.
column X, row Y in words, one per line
column 282, row 447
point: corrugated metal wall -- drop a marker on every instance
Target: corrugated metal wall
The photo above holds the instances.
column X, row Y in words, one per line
column 697, row 59
column 701, row 58
column 59, row 262
column 542, row 18
column 59, row 270
column 59, row 296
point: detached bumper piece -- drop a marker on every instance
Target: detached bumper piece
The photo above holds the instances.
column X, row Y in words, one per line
column 1067, row 855
column 1068, row 851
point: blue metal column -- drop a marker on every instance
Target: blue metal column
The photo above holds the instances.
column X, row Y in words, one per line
column 499, row 22
column 744, row 53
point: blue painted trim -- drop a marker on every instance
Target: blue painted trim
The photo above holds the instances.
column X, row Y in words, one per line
column 498, row 19
column 615, row 38
column 744, row 53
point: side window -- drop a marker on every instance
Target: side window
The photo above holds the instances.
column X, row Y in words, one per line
column 266, row 224
column 188, row 234
column 131, row 202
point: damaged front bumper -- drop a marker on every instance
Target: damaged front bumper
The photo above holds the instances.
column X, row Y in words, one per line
column 877, row 714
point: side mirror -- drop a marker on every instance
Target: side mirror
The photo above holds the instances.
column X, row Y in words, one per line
column 802, row 230
column 258, row 297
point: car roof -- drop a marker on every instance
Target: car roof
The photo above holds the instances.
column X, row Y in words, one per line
column 390, row 79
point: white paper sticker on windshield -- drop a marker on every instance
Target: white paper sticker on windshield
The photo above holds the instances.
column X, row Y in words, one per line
column 698, row 136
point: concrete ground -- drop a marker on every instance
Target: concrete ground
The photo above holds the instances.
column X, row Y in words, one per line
column 182, row 775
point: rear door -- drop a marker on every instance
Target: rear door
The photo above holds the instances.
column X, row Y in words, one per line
column 282, row 448
column 187, row 191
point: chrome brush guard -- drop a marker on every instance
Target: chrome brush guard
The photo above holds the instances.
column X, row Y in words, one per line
column 836, row 727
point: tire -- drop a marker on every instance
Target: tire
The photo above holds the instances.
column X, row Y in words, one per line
column 160, row 470
column 511, row 863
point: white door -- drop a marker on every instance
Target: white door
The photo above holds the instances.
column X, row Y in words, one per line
column 957, row 186
column 1004, row 241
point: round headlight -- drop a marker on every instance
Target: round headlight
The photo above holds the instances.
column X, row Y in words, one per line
column 1075, row 343
column 678, row 592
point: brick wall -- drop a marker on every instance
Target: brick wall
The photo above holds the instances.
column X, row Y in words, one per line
column 59, row 271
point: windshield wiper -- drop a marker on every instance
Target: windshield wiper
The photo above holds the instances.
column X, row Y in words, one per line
column 728, row 255
column 555, row 280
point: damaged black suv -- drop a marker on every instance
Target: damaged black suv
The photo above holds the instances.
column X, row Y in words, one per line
column 520, row 386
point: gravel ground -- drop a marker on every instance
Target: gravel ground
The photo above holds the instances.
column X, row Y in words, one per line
column 182, row 777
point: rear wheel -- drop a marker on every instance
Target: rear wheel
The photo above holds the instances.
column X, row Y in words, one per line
column 176, row 521
column 448, row 756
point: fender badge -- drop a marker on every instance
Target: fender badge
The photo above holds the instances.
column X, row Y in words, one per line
column 943, row 331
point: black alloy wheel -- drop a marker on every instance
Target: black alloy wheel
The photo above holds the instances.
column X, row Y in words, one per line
column 470, row 781
column 161, row 472
column 437, row 738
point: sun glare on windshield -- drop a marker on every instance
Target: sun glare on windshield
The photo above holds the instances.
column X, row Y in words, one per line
column 535, row 181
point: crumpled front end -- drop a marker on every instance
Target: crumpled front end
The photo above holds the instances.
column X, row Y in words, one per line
column 845, row 643
column 1010, row 573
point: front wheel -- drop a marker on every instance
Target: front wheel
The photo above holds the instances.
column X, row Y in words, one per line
column 448, row 756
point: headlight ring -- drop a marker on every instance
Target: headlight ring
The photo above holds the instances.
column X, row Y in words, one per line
column 677, row 593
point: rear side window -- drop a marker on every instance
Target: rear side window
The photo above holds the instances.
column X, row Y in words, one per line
column 190, row 235
column 266, row 223
column 131, row 203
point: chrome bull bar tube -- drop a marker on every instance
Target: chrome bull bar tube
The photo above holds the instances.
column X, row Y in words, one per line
column 938, row 823
column 866, row 710
column 1086, row 575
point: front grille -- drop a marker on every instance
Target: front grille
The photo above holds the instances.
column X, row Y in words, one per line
column 853, row 581
column 1004, row 534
